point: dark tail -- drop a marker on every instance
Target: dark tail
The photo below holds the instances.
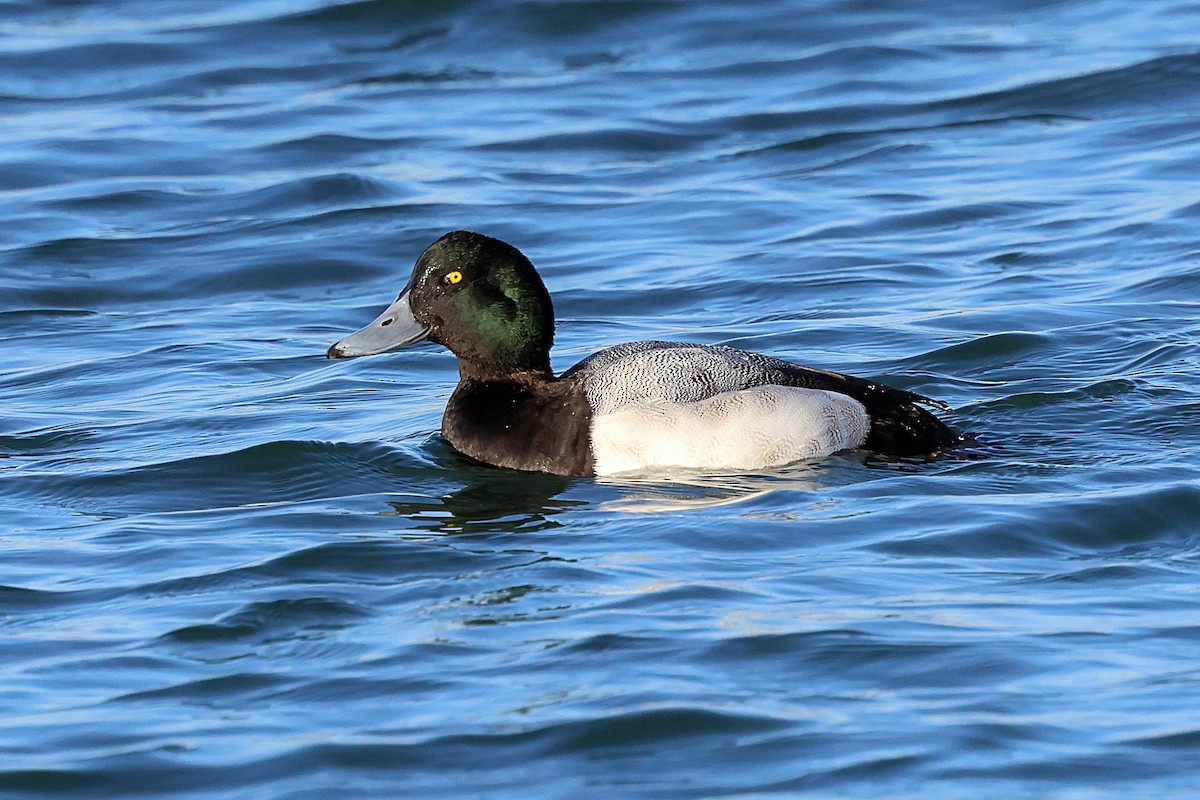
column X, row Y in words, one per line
column 909, row 430
column 899, row 424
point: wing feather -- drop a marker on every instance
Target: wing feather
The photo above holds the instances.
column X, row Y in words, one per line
column 676, row 372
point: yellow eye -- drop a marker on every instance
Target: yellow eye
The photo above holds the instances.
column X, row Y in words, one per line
column 453, row 277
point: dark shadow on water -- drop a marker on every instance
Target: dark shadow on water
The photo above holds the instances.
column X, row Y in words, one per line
column 493, row 501
column 971, row 448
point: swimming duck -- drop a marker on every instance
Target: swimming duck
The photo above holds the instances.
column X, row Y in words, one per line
column 634, row 406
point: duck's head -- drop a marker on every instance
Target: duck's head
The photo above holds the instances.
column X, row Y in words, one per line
column 478, row 296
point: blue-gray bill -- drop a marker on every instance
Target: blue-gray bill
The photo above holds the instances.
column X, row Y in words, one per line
column 395, row 327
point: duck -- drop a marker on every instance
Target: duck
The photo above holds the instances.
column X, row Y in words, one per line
column 633, row 407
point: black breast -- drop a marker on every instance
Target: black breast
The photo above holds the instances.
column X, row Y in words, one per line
column 536, row 425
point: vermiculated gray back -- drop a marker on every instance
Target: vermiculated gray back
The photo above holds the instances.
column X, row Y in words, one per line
column 675, row 372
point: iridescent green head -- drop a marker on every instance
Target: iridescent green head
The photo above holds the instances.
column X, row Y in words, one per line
column 478, row 296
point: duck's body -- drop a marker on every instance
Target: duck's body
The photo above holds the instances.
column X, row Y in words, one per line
column 640, row 405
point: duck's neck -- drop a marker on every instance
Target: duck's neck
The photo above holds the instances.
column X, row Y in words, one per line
column 469, row 370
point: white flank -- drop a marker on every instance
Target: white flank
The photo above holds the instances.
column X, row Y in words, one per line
column 755, row 428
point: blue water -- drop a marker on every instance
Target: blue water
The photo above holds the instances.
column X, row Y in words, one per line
column 233, row 569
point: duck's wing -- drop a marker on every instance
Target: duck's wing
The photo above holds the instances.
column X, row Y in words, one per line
column 678, row 373
column 900, row 426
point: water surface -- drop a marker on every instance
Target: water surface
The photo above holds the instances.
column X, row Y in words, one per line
column 234, row 569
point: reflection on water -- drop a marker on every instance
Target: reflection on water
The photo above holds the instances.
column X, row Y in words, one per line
column 683, row 490
column 495, row 501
